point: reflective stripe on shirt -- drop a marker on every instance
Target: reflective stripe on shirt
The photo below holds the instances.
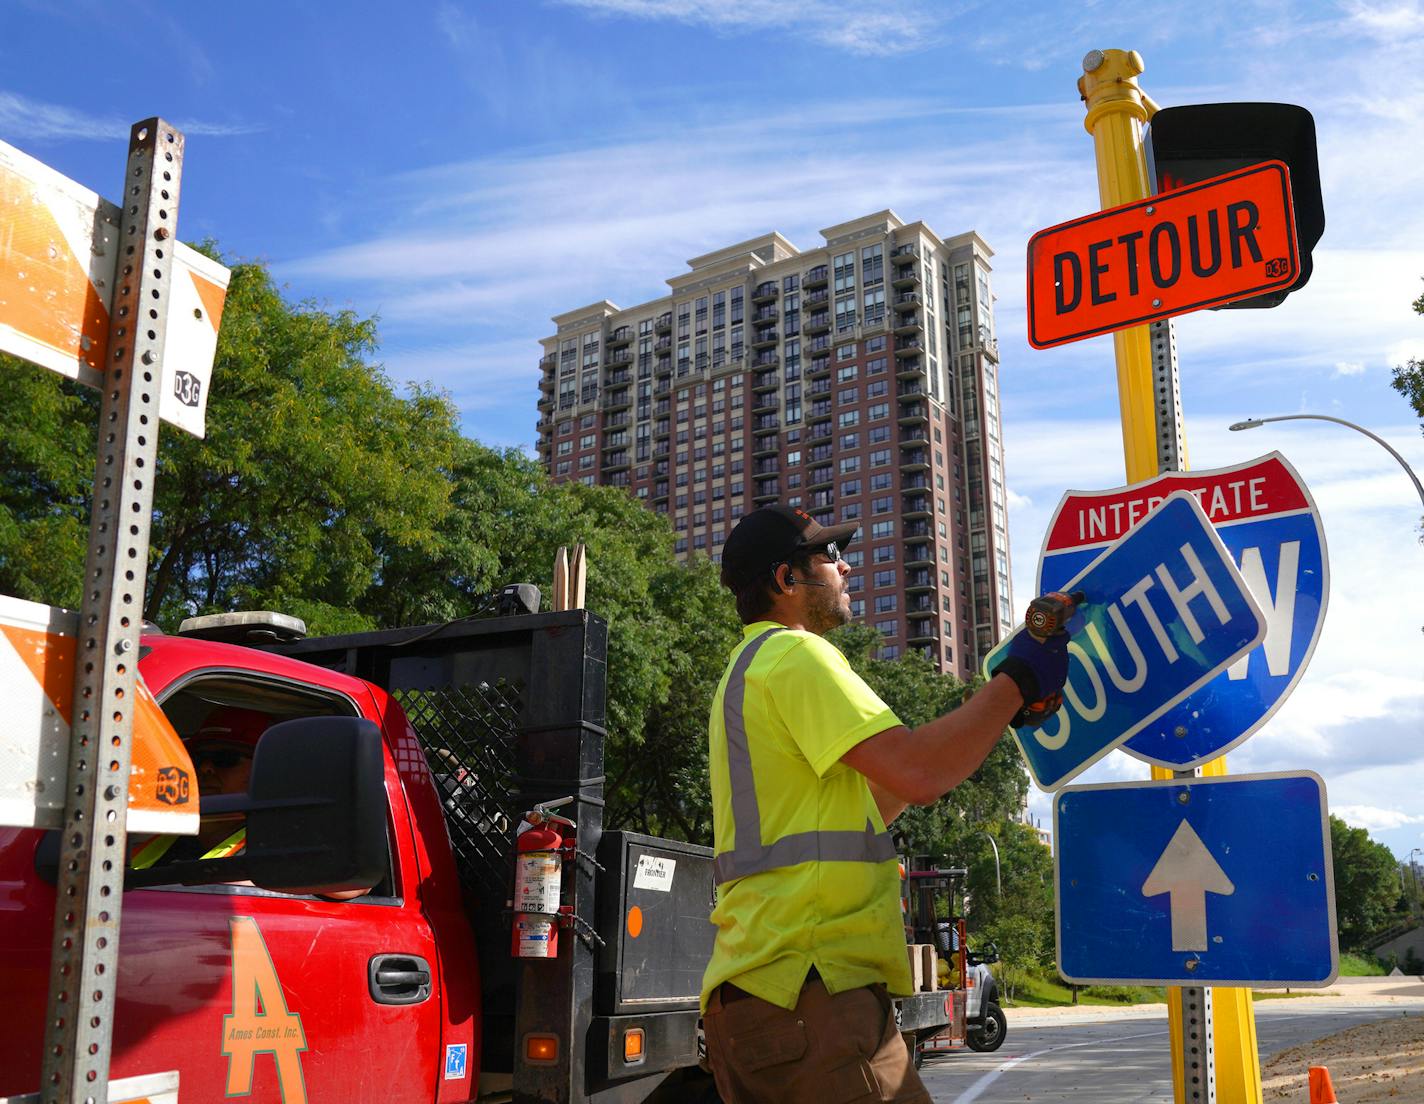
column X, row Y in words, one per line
column 749, row 855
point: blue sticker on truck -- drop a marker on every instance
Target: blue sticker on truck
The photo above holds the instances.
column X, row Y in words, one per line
column 455, row 1061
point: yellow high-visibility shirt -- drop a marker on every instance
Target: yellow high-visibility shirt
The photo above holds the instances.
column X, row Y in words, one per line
column 814, row 881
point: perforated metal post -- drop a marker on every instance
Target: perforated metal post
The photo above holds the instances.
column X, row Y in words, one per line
column 1171, row 434
column 84, row 965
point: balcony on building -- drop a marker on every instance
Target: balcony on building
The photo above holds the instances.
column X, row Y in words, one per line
column 920, row 579
column 768, row 358
column 914, row 459
column 917, row 529
column 906, row 250
column 818, row 431
column 764, row 337
column 664, row 323
column 766, row 314
column 768, row 379
column 918, row 553
column 907, row 276
column 766, row 402
column 818, row 366
column 620, row 359
column 765, row 490
column 623, row 335
column 815, row 299
column 546, row 383
column 920, row 603
column 821, row 386
column 908, row 346
column 664, row 363
column 662, row 345
column 815, row 277
column 908, row 325
column 616, row 376
column 546, row 402
column 616, row 461
column 589, row 394
column 907, row 298
column 820, row 477
column 919, row 481
column 910, row 389
column 909, row 367
column 768, row 444
column 770, row 466
column 919, row 629
column 917, row 505
column 817, row 323
column 764, row 292
column 914, row 434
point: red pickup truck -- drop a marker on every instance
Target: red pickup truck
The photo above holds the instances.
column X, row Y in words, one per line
column 358, row 947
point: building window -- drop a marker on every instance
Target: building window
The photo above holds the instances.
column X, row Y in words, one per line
column 887, row 603
column 881, row 530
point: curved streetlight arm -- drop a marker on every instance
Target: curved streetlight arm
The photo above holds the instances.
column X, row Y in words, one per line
column 1252, row 423
column 998, row 876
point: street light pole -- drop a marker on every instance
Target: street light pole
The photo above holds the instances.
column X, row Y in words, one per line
column 1252, row 423
column 998, row 875
column 1414, row 878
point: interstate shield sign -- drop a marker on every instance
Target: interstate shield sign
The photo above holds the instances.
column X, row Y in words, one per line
column 1264, row 515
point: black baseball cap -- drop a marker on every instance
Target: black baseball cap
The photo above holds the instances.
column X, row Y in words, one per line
column 774, row 535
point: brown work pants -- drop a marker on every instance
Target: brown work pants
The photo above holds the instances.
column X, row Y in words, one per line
column 842, row 1049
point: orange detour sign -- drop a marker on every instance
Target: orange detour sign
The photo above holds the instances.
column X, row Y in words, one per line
column 1230, row 237
column 59, row 254
column 37, row 687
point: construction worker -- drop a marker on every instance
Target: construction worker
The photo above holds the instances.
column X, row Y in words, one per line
column 808, row 766
column 221, row 751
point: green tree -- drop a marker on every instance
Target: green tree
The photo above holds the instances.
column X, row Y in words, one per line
column 1408, row 378
column 313, row 470
column 1367, row 894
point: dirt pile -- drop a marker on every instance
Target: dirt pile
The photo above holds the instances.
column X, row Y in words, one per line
column 1371, row 1064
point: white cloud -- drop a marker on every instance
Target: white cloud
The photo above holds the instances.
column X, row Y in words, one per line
column 1372, row 819
column 46, row 122
column 1349, row 367
column 840, row 24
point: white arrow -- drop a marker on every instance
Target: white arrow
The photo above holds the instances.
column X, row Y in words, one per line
column 1188, row 872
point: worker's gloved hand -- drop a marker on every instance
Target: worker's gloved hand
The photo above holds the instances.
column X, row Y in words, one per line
column 1039, row 669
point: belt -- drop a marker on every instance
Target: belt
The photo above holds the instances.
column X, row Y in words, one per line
column 731, row 993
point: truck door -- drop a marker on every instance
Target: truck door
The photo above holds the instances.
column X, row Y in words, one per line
column 276, row 997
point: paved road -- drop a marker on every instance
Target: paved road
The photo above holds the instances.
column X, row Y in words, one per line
column 1125, row 1061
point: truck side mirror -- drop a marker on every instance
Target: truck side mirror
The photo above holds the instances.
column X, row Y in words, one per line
column 316, row 808
column 316, row 814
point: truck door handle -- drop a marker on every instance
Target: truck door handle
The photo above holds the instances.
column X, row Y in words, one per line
column 399, row 979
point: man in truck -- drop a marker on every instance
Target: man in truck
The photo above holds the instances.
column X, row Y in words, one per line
column 808, row 766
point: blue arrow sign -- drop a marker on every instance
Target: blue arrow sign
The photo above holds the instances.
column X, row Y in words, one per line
column 1166, row 610
column 1205, row 881
column 1267, row 520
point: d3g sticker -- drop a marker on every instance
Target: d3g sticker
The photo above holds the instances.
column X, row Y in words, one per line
column 260, row 1022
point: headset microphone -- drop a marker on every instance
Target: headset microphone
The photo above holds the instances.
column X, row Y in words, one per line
column 790, row 578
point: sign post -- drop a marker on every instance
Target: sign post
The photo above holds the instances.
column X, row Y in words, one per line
column 89, row 896
column 1213, row 1039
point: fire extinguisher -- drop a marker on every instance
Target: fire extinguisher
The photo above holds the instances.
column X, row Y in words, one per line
column 539, row 845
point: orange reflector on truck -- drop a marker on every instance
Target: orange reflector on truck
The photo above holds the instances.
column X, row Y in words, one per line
column 541, row 1050
column 633, row 1046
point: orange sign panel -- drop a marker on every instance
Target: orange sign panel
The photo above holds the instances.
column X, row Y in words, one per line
column 1227, row 238
column 37, row 645
column 58, row 254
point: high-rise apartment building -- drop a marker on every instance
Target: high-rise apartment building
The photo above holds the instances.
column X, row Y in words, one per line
column 857, row 380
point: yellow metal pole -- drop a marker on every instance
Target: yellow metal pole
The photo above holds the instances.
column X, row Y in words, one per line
column 1116, row 110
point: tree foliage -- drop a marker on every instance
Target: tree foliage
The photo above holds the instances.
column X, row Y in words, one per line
column 1367, row 893
column 323, row 491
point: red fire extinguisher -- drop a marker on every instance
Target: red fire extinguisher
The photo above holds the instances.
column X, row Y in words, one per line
column 538, row 873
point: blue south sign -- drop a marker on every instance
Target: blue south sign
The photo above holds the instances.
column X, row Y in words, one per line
column 1165, row 611
column 1268, row 521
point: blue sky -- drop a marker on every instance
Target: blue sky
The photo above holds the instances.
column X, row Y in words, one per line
column 465, row 170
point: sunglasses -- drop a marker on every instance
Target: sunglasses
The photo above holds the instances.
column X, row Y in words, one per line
column 221, row 758
column 831, row 551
